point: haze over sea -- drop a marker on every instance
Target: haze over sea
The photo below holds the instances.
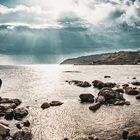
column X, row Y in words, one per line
column 48, row 31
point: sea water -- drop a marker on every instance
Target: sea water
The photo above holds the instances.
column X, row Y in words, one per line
column 35, row 84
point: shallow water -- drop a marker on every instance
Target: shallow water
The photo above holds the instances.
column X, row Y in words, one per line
column 35, row 84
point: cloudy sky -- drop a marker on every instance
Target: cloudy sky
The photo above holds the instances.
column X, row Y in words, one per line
column 47, row 31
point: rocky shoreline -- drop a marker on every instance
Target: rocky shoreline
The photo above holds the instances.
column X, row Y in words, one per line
column 116, row 58
column 109, row 94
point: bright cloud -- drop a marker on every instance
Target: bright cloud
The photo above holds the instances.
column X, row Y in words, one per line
column 50, row 12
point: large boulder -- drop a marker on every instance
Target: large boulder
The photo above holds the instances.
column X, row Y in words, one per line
column 88, row 98
column 20, row 113
column 4, row 130
column 108, row 93
column 24, row 134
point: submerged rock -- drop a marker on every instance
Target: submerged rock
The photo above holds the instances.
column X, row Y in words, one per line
column 107, row 76
column 45, row 105
column 24, row 134
column 99, row 84
column 131, row 91
column 80, row 83
column 0, row 83
column 88, row 98
column 136, row 83
column 95, row 106
column 55, row 103
column 120, row 90
column 22, row 124
column 20, row 113
column 138, row 97
column 14, row 102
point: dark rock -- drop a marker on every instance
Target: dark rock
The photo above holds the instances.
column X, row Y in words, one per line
column 20, row 113
column 125, row 86
column 136, row 83
column 56, row 103
column 120, row 90
column 18, row 125
column 9, row 114
column 108, row 93
column 65, row 138
column 107, row 76
column 109, row 84
column 98, row 84
column 84, row 84
column 16, row 101
column 127, row 103
column 125, row 134
column 4, row 130
column 45, row 105
column 2, row 113
column 131, row 91
column 134, row 78
column 22, row 124
column 26, row 123
column 93, row 138
column 134, row 134
column 138, row 97
column 5, row 100
column 0, row 83
column 95, row 106
column 24, row 134
column 80, row 83
column 89, row 98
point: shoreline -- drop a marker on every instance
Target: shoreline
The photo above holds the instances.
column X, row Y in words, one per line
column 114, row 58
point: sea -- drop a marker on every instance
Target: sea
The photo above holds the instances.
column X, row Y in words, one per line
column 36, row 84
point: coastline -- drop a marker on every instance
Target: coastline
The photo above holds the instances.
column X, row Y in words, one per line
column 114, row 58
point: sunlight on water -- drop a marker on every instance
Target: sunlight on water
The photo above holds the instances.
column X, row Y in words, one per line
column 35, row 84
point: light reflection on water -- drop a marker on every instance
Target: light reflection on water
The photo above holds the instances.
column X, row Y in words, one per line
column 47, row 82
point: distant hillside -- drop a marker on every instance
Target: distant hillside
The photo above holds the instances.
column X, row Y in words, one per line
column 116, row 58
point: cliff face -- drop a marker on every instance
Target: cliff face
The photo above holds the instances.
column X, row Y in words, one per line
column 117, row 58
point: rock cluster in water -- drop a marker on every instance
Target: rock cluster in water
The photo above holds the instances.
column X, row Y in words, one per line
column 10, row 110
column 53, row 103
column 110, row 94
